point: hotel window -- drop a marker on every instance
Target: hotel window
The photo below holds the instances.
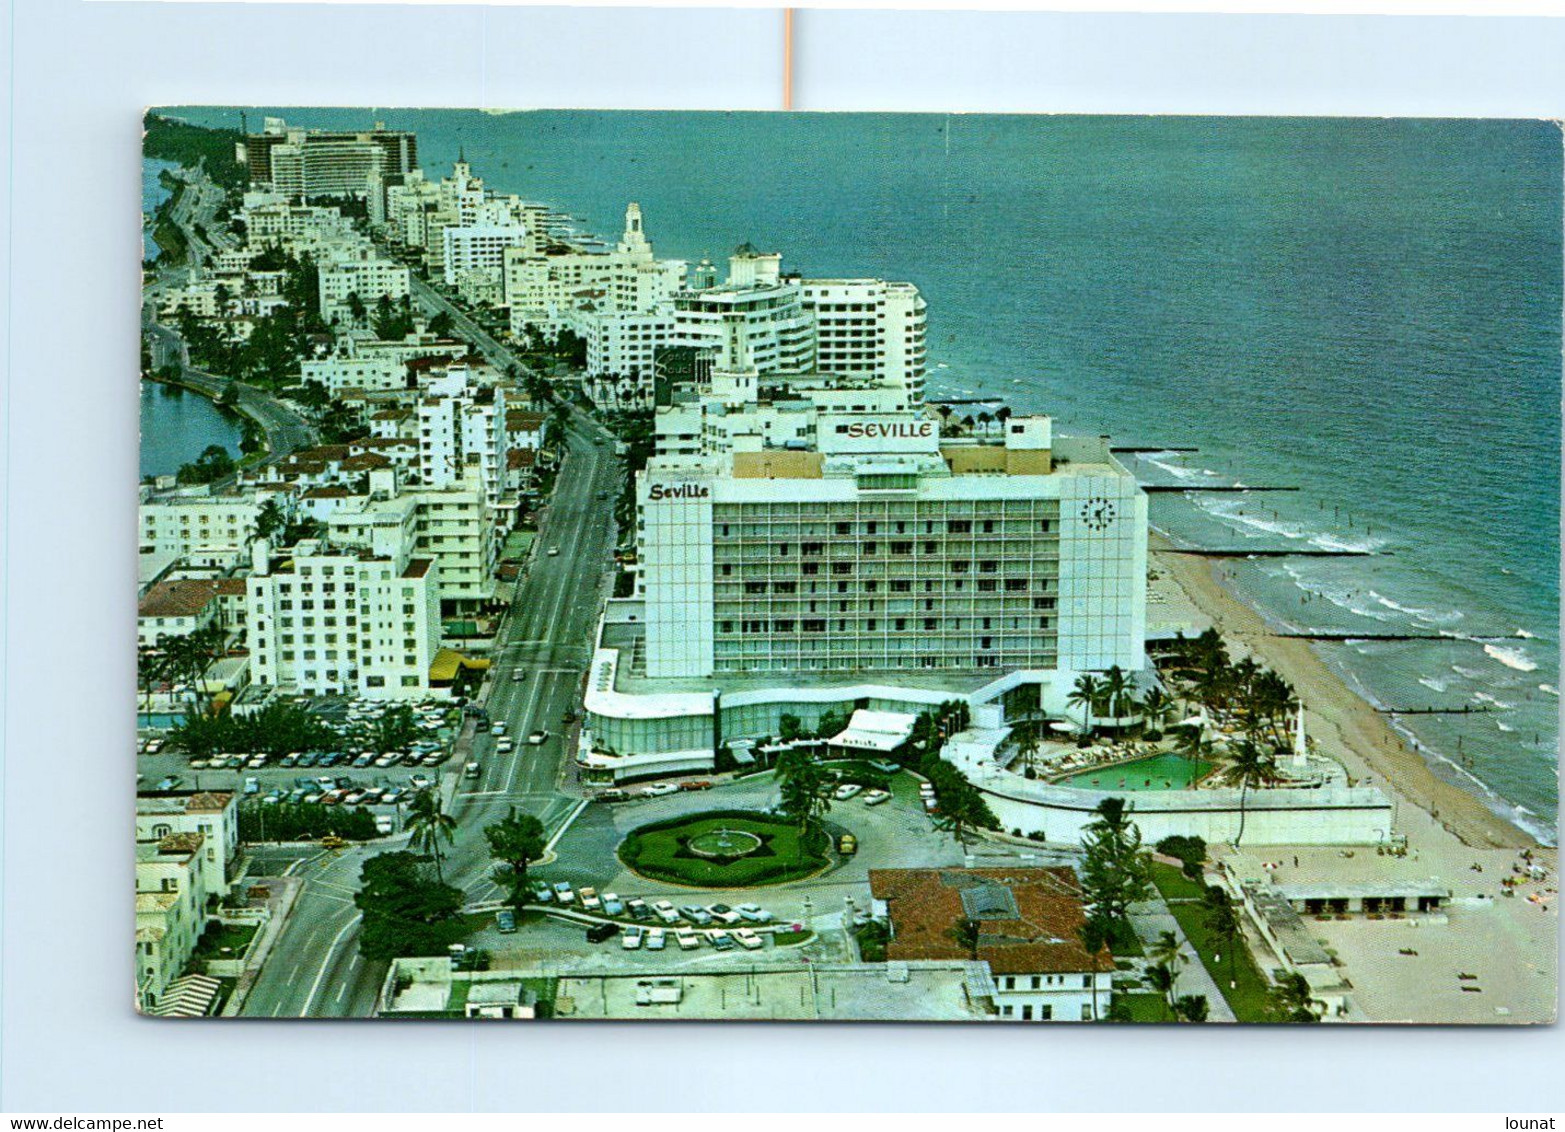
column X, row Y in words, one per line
column 1036, row 982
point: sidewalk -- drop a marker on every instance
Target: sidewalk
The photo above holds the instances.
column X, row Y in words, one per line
column 285, row 890
column 1151, row 920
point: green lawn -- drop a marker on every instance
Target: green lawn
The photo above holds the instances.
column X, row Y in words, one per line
column 218, row 935
column 660, row 851
column 1248, row 998
column 1145, row 1006
column 1174, row 885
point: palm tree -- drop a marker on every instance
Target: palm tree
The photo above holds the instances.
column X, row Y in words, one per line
column 965, row 934
column 1221, row 920
column 1291, row 1001
column 1163, row 973
column 1193, row 744
column 1250, row 765
column 1160, row 977
column 1027, row 744
column 803, row 791
column 1156, row 706
column 429, row 825
column 1116, row 692
column 1085, row 695
column 1096, row 931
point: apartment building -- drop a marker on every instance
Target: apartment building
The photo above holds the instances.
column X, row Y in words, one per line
column 869, row 327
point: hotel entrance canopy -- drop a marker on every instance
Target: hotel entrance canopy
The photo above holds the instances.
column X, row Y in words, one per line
column 878, row 731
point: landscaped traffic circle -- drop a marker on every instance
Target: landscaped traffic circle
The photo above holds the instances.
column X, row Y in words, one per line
column 724, row 849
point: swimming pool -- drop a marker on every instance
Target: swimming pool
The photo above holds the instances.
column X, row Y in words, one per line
column 1155, row 772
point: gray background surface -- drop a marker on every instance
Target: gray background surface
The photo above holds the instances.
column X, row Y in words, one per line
column 80, row 74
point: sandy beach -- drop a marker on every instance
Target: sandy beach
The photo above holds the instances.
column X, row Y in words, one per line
column 1342, row 723
column 1492, row 958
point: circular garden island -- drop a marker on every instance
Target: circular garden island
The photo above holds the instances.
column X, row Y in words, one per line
column 725, row 849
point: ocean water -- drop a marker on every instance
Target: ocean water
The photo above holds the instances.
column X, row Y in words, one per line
column 1367, row 310
column 178, row 425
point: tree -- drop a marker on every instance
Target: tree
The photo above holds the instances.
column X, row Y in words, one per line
column 1160, row 977
column 1163, row 974
column 430, row 825
column 356, row 308
column 1221, row 920
column 1249, row 765
column 1156, row 707
column 1085, row 695
column 803, row 788
column 394, row 730
column 405, row 912
column 188, row 659
column 270, row 521
column 1191, row 1008
column 515, row 841
column 1290, row 1000
column 1117, row 692
column 789, row 727
column 1096, row 932
column 440, row 324
column 1116, row 871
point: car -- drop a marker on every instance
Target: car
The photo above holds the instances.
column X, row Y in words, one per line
column 632, row 939
column 252, row 785
column 154, row 746
column 309, row 758
column 665, row 911
column 687, row 939
column 699, row 784
column 371, row 795
column 657, row 939
column 257, row 762
column 639, row 909
column 660, row 789
column 518, row 676
column 331, row 759
column 846, row 791
column 313, row 798
column 353, row 799
column 289, row 760
column 472, row 770
column 271, row 799
column 364, row 760
column 754, row 913
column 498, row 727
column 431, row 760
column 563, row 893
column 543, row 894
column 296, row 795
column 503, row 745
column 695, row 914
column 612, row 905
column 326, row 782
column 412, row 758
column 390, row 759
column 554, row 551
column 720, row 939
column 383, row 824
column 505, row 921
column 481, row 725
column 538, row 738
column 332, row 841
column 332, row 797
column 391, row 797
column 589, row 899
column 847, row 845
column 749, row 940
column 885, row 766
column 600, row 932
column 611, row 796
column 876, row 797
column 723, row 913
column 420, row 781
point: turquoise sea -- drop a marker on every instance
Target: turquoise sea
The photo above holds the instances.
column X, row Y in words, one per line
column 1367, row 309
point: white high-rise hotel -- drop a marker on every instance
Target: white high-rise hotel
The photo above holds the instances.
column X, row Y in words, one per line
column 885, row 550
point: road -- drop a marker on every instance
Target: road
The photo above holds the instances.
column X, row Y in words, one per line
column 287, row 430
column 315, row 969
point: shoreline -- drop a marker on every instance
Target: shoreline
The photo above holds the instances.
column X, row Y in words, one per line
column 1343, row 724
column 235, row 410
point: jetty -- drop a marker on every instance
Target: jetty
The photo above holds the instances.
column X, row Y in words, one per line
column 1243, row 552
column 1465, row 709
column 1363, row 635
column 1154, row 488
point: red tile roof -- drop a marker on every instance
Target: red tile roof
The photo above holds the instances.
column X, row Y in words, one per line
column 179, row 597
column 1034, row 933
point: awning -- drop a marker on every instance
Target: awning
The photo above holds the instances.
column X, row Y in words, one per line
column 443, row 669
column 879, row 731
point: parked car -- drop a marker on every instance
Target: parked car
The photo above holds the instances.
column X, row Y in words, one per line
column 612, row 905
column 504, row 745
column 699, row 784
column 252, row 785
column 723, row 913
column 390, row 758
column 876, row 797
column 660, row 789
column 498, row 727
column 687, row 939
column 432, row 760
column 754, row 913
column 289, row 760
column 632, row 939
column 720, row 939
column 471, row 770
column 391, row 797
column 748, row 939
column 384, row 824
column 309, row 758
column 420, row 781
column 846, row 791
column 563, row 893
column 695, row 914
column 543, row 894
column 589, row 899
column 885, row 766
column 657, row 939
column 638, row 909
column 354, row 798
column 538, row 738
column 611, row 796
column 505, row 921
column 847, row 845
column 364, row 760
column 518, row 676
column 600, row 932
column 666, row 912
